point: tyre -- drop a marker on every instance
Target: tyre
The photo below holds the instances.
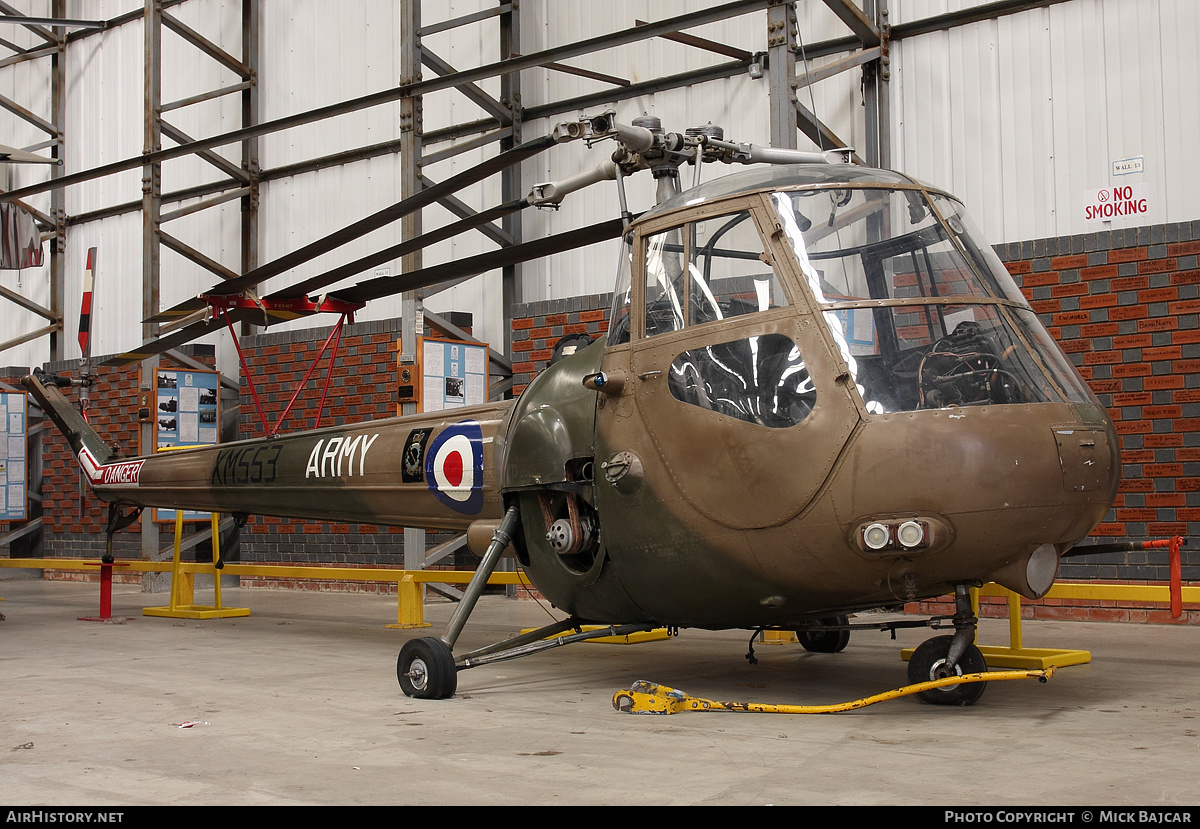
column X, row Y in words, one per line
column 928, row 663
column 426, row 670
column 816, row 640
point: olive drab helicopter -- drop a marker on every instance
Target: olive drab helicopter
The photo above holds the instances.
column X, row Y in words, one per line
column 819, row 393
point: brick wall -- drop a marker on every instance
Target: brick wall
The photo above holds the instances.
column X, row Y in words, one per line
column 537, row 326
column 362, row 386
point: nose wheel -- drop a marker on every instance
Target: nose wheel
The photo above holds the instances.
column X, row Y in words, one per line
column 426, row 670
column 931, row 662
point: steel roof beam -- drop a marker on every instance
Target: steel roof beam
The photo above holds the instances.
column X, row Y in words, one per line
column 445, row 25
column 23, row 55
column 737, row 8
column 206, row 46
column 587, row 73
column 464, row 211
column 703, row 43
column 818, row 132
column 27, row 304
column 203, row 205
column 32, row 335
column 189, row 252
column 837, row 67
column 473, row 144
column 27, row 115
column 963, row 17
column 32, row 24
column 205, row 96
column 863, row 27
column 223, row 164
column 485, row 101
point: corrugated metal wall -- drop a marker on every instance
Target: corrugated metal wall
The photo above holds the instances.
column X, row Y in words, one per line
column 1022, row 117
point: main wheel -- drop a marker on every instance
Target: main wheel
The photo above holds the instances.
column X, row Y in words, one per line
column 928, row 663
column 425, row 669
column 825, row 641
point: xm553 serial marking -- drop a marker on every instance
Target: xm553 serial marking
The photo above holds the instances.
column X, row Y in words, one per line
column 248, row 465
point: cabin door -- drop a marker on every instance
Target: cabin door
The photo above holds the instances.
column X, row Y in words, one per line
column 731, row 398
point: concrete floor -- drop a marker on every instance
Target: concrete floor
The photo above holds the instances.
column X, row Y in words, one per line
column 298, row 704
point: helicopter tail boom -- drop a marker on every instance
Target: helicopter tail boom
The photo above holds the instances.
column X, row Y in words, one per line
column 86, row 443
column 431, row 470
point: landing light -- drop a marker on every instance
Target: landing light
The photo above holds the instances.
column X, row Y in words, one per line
column 910, row 534
column 877, row 536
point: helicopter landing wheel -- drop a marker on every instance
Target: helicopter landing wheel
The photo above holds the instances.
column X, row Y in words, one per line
column 816, row 640
column 425, row 669
column 928, row 663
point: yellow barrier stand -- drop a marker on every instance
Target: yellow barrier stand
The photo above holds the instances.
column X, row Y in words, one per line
column 1016, row 655
column 183, row 583
column 410, row 611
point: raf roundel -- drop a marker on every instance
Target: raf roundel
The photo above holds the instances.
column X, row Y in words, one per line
column 454, row 467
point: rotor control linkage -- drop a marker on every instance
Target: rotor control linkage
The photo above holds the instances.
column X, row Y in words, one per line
column 650, row 698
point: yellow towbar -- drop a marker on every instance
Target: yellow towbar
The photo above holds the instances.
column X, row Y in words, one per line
column 650, row 698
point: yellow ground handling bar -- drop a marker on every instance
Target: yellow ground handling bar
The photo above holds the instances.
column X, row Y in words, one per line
column 650, row 698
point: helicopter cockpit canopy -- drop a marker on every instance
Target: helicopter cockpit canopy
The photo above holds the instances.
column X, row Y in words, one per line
column 924, row 315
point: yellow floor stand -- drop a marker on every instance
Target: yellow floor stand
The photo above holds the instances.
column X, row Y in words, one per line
column 1016, row 655
column 183, row 584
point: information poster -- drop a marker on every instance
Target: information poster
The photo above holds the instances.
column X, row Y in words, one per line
column 13, row 413
column 453, row 374
column 186, row 414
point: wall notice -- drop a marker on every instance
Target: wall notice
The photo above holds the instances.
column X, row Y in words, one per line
column 186, row 415
column 453, row 375
column 1110, row 203
column 13, row 412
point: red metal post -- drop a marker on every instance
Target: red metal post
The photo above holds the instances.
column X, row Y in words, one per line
column 1176, row 578
column 245, row 369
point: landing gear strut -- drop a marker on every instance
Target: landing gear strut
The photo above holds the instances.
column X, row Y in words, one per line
column 943, row 657
column 425, row 667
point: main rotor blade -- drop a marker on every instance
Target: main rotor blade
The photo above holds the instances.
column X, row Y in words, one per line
column 396, row 251
column 159, row 345
column 475, row 265
column 390, row 285
column 363, row 226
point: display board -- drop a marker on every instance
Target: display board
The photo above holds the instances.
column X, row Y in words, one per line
column 453, row 374
column 186, row 413
column 14, row 410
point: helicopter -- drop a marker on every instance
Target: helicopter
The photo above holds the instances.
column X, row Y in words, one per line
column 819, row 393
